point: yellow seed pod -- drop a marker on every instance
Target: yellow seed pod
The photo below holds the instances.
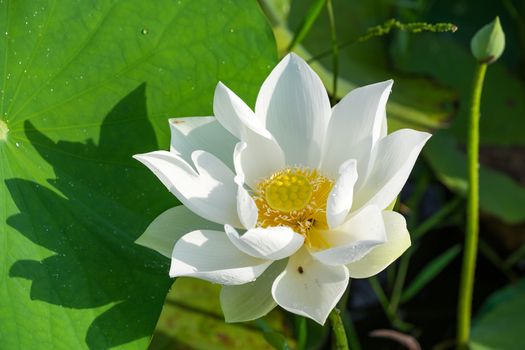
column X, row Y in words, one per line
column 288, row 192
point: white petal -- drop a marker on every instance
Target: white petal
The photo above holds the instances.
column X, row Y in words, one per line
column 170, row 226
column 392, row 161
column 294, row 106
column 342, row 194
column 210, row 191
column 237, row 161
column 398, row 240
column 234, row 115
column 252, row 300
column 258, row 159
column 209, row 255
column 384, row 126
column 246, row 207
column 355, row 126
column 261, row 156
column 201, row 133
column 309, row 288
column 272, row 243
column 354, row 239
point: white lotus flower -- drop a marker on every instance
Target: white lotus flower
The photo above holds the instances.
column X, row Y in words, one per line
column 283, row 205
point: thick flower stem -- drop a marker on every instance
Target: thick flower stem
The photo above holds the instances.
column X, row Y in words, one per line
column 471, row 232
column 341, row 342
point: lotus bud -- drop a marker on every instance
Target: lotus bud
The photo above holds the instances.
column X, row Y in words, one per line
column 488, row 43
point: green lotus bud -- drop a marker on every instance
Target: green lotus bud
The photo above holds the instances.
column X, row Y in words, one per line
column 489, row 42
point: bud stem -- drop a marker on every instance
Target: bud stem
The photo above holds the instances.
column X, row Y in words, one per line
column 472, row 227
column 341, row 342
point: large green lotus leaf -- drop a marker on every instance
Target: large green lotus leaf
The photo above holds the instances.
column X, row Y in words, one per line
column 499, row 324
column 84, row 85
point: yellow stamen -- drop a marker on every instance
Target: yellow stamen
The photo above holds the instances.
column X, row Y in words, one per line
column 295, row 197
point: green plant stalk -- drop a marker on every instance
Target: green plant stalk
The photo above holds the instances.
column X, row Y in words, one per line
column 307, row 23
column 383, row 300
column 399, row 282
column 417, row 233
column 515, row 257
column 301, row 331
column 386, row 28
column 437, row 218
column 429, row 272
column 495, row 259
column 353, row 338
column 381, row 296
column 414, row 203
column 341, row 342
column 335, row 49
column 472, row 228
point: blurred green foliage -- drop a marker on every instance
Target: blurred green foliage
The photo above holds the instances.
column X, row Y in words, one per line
column 192, row 319
column 499, row 324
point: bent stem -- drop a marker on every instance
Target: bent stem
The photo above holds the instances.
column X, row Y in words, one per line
column 471, row 232
column 341, row 342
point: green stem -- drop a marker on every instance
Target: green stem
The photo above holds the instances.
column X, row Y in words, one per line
column 335, row 49
column 385, row 29
column 341, row 342
column 383, row 300
column 494, row 258
column 380, row 294
column 436, row 218
column 399, row 281
column 402, row 269
column 313, row 12
column 353, row 339
column 515, row 257
column 417, row 233
column 301, row 331
column 471, row 234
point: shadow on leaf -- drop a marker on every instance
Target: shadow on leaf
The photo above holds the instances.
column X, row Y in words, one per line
column 89, row 217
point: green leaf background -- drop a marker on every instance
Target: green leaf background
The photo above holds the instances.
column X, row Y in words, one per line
column 499, row 324
column 84, row 85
